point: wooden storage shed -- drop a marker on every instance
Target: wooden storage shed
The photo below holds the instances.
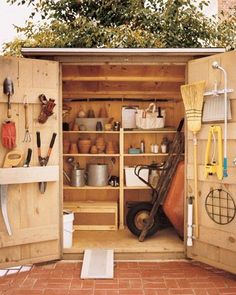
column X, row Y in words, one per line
column 105, row 80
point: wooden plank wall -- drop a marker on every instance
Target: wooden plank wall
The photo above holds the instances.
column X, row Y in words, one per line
column 217, row 243
column 34, row 217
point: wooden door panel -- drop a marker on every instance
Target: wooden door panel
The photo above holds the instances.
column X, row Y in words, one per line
column 216, row 244
column 34, row 217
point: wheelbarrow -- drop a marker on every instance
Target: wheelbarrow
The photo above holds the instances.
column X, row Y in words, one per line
column 144, row 219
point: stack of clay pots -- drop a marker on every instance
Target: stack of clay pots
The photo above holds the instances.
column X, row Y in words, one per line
column 84, row 145
column 110, row 148
column 100, row 144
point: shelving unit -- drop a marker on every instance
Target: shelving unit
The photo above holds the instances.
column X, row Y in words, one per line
column 122, row 159
column 111, row 87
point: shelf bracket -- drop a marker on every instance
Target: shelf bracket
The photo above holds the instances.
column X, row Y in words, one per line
column 3, row 204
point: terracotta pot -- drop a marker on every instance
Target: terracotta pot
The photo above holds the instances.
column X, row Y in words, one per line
column 93, row 149
column 84, row 145
column 73, row 148
column 66, row 146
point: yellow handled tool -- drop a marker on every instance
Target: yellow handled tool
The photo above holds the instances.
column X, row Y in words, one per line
column 211, row 165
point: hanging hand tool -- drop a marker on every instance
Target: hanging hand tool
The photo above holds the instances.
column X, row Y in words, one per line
column 12, row 159
column 28, row 158
column 215, row 65
column 27, row 137
column 211, row 165
column 192, row 95
column 8, row 89
column 44, row 160
column 47, row 108
column 8, row 135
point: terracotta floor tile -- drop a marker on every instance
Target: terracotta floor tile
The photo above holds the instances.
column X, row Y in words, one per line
column 171, row 283
column 200, row 292
column 181, row 291
column 107, row 286
column 131, row 278
column 131, row 292
column 57, row 291
column 227, row 291
column 162, row 292
column 154, row 285
column 81, row 292
column 106, row 292
column 149, row 292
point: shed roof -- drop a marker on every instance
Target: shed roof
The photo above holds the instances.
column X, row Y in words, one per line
column 120, row 51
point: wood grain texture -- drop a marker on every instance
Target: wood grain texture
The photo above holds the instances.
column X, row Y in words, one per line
column 216, row 243
column 34, row 217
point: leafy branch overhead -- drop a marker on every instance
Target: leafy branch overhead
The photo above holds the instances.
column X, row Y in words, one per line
column 123, row 24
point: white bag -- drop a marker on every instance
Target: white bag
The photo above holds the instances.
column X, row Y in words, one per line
column 148, row 119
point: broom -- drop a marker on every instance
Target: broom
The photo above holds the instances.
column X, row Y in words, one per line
column 192, row 95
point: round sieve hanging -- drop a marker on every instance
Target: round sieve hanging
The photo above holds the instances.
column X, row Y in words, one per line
column 220, row 206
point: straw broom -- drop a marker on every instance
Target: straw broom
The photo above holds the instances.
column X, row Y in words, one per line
column 192, row 95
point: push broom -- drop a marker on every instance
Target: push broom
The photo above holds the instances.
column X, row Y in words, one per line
column 192, row 95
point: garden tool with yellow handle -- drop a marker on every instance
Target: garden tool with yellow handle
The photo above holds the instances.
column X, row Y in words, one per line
column 213, row 166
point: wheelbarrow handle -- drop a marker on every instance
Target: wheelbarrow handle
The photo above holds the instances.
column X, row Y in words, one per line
column 181, row 123
column 137, row 171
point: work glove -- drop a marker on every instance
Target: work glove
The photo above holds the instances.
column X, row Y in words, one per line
column 47, row 108
column 9, row 135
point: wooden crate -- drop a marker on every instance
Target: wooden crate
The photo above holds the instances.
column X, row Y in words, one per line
column 89, row 214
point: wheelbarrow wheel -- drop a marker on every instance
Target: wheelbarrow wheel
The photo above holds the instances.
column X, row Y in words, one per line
column 136, row 217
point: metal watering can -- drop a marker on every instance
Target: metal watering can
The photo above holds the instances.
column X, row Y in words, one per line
column 78, row 175
column 99, row 174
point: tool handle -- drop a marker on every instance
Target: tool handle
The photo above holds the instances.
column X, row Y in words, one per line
column 181, row 123
column 39, row 146
column 9, row 106
column 38, row 139
column 26, row 116
column 52, row 140
column 225, row 172
column 28, row 159
column 51, row 144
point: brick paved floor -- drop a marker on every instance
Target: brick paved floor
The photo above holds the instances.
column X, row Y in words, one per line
column 131, row 278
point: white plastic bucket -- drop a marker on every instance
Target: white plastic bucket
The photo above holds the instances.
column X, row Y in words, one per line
column 132, row 180
column 68, row 218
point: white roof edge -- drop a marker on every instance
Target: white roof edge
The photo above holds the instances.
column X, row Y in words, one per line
column 117, row 51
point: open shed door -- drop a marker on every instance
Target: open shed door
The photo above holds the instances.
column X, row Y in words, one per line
column 30, row 220
column 216, row 243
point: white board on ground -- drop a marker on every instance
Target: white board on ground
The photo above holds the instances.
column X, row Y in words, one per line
column 98, row 264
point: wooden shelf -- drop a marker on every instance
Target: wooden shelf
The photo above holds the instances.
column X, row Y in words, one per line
column 95, row 208
column 146, row 155
column 124, row 79
column 20, row 175
column 170, row 95
column 86, row 187
column 157, row 131
column 91, row 131
column 91, row 155
column 136, row 187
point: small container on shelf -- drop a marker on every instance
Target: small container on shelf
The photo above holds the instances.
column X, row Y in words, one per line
column 132, row 180
column 73, row 148
column 66, row 146
column 93, row 149
column 84, row 145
